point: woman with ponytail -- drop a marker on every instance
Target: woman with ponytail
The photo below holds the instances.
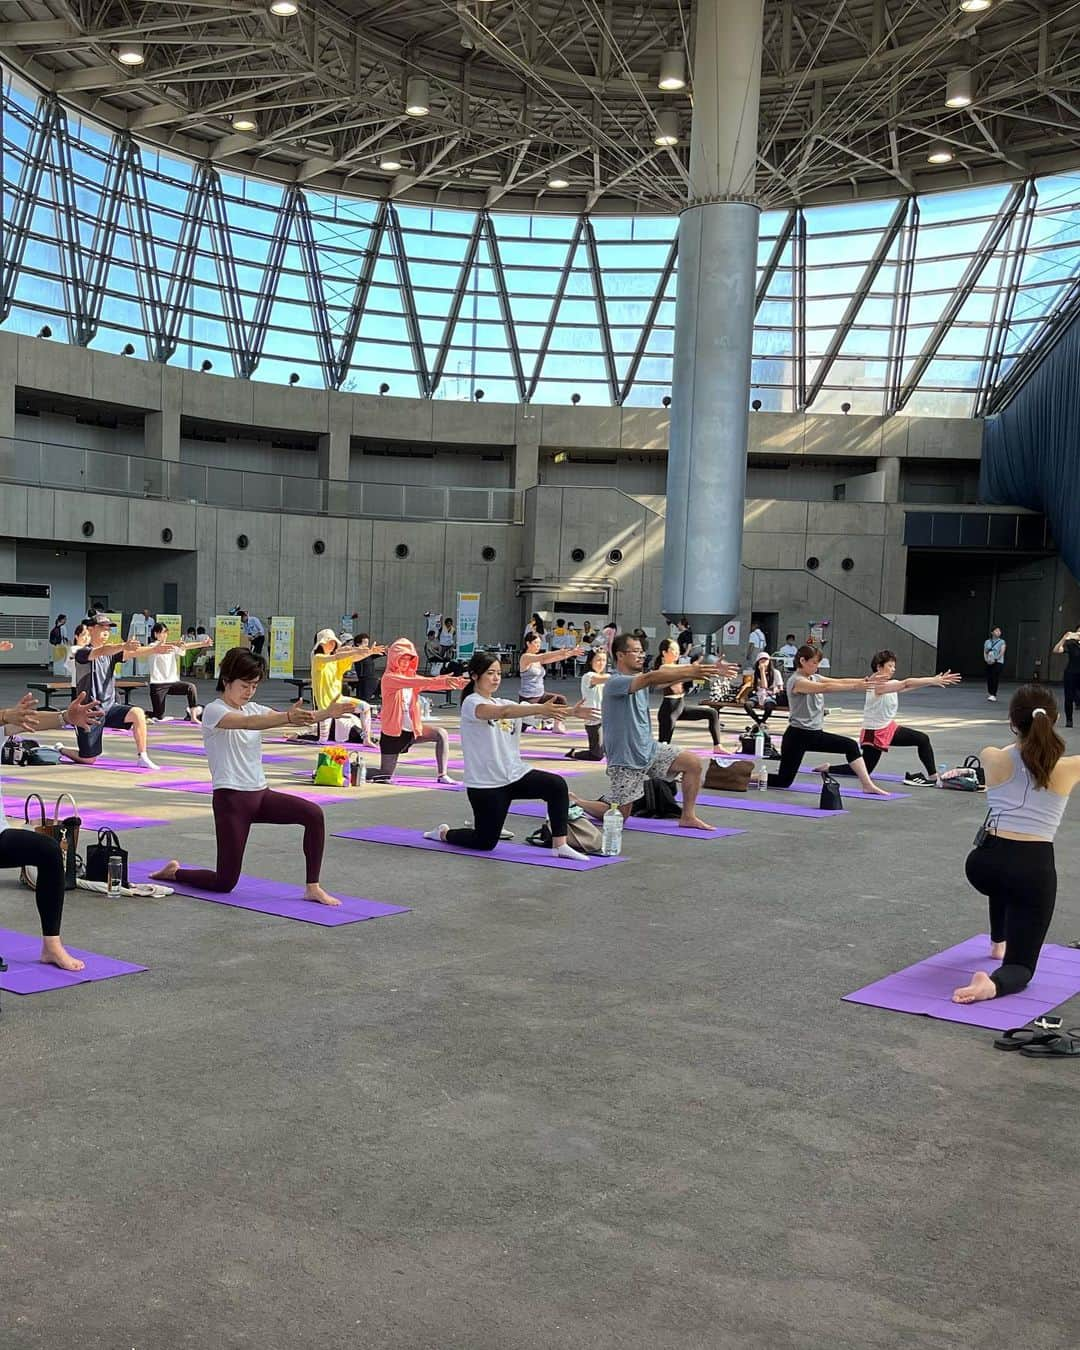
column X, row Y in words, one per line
column 495, row 774
column 1027, row 785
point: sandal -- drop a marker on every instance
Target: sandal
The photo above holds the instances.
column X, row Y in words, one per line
column 1054, row 1046
column 1018, row 1037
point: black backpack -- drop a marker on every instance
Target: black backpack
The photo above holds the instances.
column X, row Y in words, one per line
column 657, row 801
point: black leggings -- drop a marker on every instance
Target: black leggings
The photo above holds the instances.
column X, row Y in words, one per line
column 673, row 709
column 1020, row 881
column 993, row 677
column 797, row 741
column 490, row 807
column 596, row 744
column 24, row 848
column 234, row 814
column 1072, row 694
column 159, row 693
column 907, row 738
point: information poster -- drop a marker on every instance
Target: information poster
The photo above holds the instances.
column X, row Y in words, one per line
column 282, row 646
column 730, row 634
column 175, row 625
column 227, row 634
column 468, row 618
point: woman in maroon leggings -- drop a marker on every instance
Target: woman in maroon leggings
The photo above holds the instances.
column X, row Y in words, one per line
column 232, row 733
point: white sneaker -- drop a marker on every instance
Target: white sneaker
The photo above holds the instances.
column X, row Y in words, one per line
column 438, row 834
column 445, row 778
column 991, row 698
column 146, row 762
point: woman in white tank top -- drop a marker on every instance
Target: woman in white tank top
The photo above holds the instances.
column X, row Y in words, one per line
column 1027, row 786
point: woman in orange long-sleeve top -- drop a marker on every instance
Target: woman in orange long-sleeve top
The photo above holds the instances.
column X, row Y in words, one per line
column 401, row 720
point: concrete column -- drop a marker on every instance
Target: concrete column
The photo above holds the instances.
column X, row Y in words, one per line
column 161, row 430
column 335, row 450
column 889, row 467
column 714, row 321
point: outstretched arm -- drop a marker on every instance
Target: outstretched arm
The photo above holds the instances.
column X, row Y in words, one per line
column 495, row 712
column 698, row 670
column 296, row 716
column 940, row 681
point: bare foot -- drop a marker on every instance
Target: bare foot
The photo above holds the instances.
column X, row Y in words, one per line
column 166, row 873
column 997, row 950
column 320, row 896
column 872, row 790
column 53, row 953
column 981, row 987
column 820, row 768
column 693, row 823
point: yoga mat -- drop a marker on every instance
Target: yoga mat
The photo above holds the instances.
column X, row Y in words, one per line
column 882, row 777
column 814, row 789
column 27, row 975
column 201, row 751
column 276, row 897
column 124, row 766
column 458, row 766
column 527, row 752
column 98, row 818
column 307, row 794
column 926, row 987
column 636, row 823
column 399, row 781
column 759, row 801
column 505, row 851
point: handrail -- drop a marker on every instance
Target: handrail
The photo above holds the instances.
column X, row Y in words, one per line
column 49, row 464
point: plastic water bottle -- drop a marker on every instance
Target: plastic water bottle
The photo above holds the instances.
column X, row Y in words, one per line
column 759, row 743
column 611, row 835
column 759, row 776
column 362, row 775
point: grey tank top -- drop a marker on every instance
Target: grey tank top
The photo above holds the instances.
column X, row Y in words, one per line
column 1020, row 807
column 806, row 711
column 532, row 680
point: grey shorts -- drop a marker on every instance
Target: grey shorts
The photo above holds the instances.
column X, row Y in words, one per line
column 627, row 783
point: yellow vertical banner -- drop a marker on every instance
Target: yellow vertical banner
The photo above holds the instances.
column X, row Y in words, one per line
column 174, row 623
column 227, row 633
column 282, row 645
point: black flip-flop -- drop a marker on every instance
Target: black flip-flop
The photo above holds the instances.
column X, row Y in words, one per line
column 1056, row 1046
column 1018, row 1037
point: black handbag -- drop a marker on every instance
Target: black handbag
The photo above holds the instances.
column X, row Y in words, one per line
column 98, row 855
column 830, row 799
column 975, row 763
column 658, row 800
column 66, row 834
column 28, row 754
column 747, row 739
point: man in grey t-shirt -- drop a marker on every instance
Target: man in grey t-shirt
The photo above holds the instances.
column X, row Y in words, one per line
column 633, row 753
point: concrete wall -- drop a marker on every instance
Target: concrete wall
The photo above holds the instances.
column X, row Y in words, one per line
column 62, row 569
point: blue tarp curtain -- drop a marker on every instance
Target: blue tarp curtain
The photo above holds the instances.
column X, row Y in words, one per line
column 1031, row 450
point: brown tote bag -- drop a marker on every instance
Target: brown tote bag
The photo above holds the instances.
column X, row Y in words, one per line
column 65, row 832
column 733, row 776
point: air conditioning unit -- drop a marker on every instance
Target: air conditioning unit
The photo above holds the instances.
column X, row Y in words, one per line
column 25, row 621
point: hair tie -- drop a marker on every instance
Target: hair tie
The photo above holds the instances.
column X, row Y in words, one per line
column 1038, row 712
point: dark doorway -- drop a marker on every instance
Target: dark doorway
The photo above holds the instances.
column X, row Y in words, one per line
column 170, row 597
column 769, row 623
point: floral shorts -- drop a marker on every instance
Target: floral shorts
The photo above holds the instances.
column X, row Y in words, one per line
column 627, row 783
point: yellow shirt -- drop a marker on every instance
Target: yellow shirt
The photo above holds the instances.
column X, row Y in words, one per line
column 327, row 677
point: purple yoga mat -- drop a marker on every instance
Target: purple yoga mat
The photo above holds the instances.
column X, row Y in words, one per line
column 637, row 823
column 27, row 975
column 200, row 750
column 276, row 897
column 458, row 766
column 505, row 851
column 757, row 801
column 926, row 987
column 127, row 766
column 814, row 789
column 98, row 818
column 399, row 781
column 878, row 777
column 307, row 794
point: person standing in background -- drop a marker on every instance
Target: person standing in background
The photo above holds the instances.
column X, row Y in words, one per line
column 1069, row 646
column 787, row 651
column 994, row 655
column 756, row 643
column 685, row 638
column 58, row 633
column 254, row 631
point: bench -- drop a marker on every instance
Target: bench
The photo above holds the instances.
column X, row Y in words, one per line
column 50, row 688
column 302, row 684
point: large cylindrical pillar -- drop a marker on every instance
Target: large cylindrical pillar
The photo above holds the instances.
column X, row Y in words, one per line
column 714, row 321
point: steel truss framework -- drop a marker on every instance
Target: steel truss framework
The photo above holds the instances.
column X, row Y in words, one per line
column 201, row 266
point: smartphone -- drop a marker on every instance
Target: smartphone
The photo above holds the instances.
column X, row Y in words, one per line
column 1048, row 1023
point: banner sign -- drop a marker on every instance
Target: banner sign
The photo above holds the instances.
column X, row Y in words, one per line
column 282, row 642
column 228, row 631
column 174, row 623
column 730, row 633
column 468, row 617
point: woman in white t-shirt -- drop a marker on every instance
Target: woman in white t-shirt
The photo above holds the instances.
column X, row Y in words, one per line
column 592, row 696
column 495, row 774
column 232, row 733
column 880, row 729
column 165, row 672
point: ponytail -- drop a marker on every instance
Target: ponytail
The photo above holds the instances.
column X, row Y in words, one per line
column 1033, row 713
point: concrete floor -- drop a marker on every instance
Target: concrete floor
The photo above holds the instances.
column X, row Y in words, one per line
column 622, row 1110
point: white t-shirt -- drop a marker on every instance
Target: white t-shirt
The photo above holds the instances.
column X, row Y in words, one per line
column 406, row 710
column 490, row 749
column 592, row 695
column 235, row 757
column 165, row 668
column 880, row 710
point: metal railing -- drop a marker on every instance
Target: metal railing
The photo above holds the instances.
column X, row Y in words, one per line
column 46, row 464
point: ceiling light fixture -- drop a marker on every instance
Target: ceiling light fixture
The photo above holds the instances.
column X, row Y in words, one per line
column 390, row 162
column 284, row 9
column 417, row 103
column 672, row 71
column 557, row 181
column 667, row 128
column 130, row 53
column 975, row 6
column 244, row 122
column 958, row 88
column 940, row 153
